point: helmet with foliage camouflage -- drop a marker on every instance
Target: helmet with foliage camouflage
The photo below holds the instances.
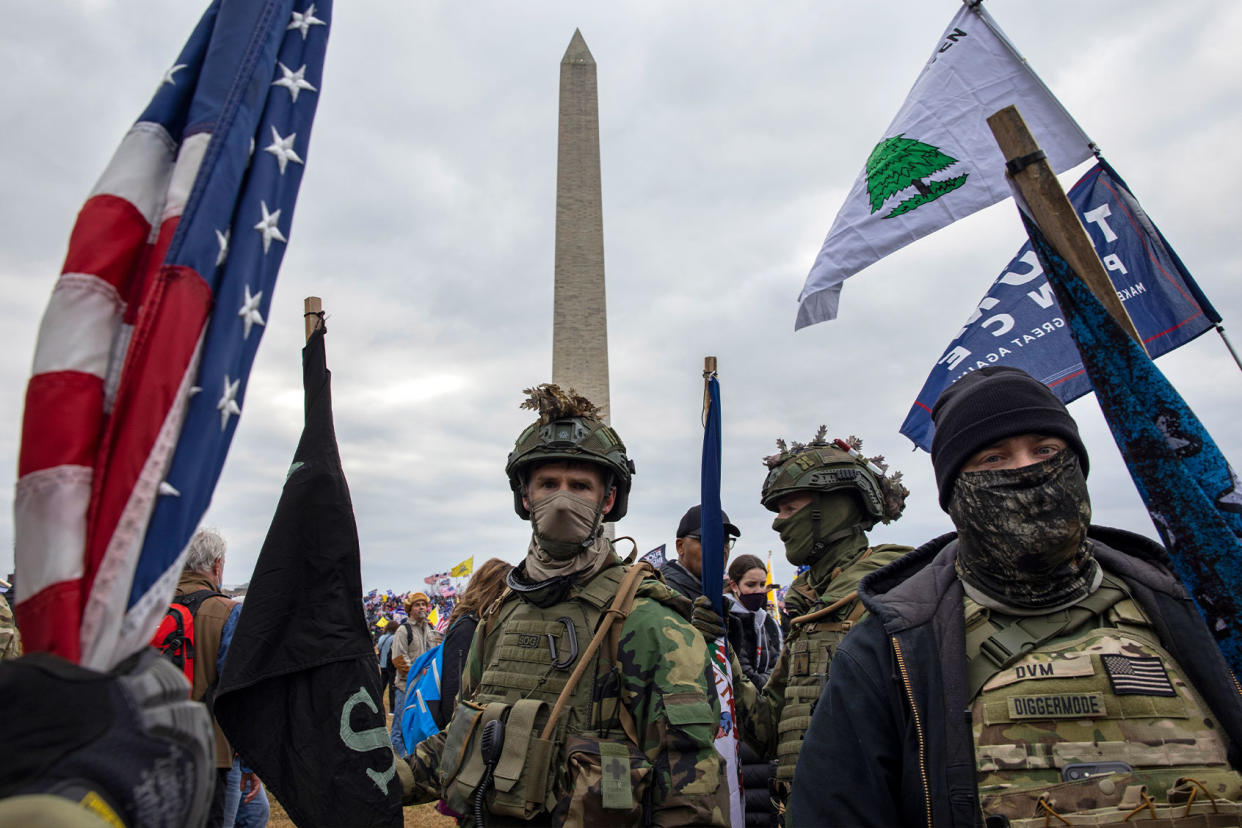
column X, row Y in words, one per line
column 568, row 429
column 824, row 466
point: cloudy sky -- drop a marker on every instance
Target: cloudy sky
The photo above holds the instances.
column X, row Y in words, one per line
column 730, row 135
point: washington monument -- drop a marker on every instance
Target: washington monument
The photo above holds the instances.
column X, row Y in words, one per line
column 579, row 316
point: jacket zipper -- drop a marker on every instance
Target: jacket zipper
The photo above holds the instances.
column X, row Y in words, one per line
column 918, row 727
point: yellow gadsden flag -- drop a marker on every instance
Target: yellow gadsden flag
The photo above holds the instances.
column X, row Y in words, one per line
column 463, row 569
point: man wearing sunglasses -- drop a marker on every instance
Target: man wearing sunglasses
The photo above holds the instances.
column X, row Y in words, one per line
column 686, row 573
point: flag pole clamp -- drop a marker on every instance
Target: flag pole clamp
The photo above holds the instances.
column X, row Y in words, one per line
column 1017, row 165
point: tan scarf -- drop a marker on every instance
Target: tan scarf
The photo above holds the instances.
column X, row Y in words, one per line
column 540, row 566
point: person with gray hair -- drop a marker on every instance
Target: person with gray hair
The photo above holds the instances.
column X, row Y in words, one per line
column 205, row 553
column 215, row 618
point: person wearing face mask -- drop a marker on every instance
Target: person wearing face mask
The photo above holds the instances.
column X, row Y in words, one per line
column 1030, row 668
column 753, row 633
column 755, row 638
column 826, row 497
column 632, row 741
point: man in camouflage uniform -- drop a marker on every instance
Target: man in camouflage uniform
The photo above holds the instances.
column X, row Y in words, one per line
column 826, row 496
column 1029, row 669
column 634, row 742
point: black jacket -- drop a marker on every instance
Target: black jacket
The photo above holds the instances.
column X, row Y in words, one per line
column 757, row 650
column 676, row 576
column 456, row 644
column 891, row 735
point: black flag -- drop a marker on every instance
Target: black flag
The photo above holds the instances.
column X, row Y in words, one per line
column 299, row 696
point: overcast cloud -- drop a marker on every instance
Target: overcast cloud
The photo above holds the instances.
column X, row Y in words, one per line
column 730, row 134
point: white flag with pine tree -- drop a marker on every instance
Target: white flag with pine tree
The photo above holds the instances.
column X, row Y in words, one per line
column 938, row 161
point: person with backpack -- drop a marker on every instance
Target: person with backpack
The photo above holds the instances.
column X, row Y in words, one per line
column 212, row 619
column 414, row 637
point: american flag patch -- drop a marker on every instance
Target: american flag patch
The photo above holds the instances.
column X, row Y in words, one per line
column 1137, row 676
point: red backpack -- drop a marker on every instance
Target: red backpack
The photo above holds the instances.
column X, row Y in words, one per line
column 175, row 635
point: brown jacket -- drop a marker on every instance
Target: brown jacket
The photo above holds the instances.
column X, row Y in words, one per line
column 408, row 643
column 208, row 625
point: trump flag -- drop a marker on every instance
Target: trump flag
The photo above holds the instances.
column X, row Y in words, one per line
column 1019, row 323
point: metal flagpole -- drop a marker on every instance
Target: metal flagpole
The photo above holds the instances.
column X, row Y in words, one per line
column 1220, row 329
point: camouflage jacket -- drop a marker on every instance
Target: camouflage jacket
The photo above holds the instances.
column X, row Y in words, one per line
column 892, row 744
column 10, row 638
column 761, row 712
column 666, row 685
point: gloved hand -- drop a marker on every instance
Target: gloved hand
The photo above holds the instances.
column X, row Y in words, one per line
column 705, row 620
column 130, row 740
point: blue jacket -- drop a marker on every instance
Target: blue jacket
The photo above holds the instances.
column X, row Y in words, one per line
column 385, row 650
column 890, row 739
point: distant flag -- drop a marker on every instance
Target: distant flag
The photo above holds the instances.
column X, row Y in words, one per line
column 712, row 576
column 463, row 569
column 1190, row 490
column 143, row 355
column 767, row 581
column 433, row 579
column 937, row 161
column 302, row 702
column 433, row 617
column 1019, row 323
column 656, row 557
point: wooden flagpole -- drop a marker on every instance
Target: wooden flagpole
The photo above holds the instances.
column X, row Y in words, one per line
column 1052, row 211
column 709, row 371
column 312, row 306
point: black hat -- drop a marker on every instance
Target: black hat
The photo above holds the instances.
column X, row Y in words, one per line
column 991, row 404
column 692, row 522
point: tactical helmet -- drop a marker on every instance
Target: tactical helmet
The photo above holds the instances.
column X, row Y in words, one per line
column 568, row 429
column 823, row 466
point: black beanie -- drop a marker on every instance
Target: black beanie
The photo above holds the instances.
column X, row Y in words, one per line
column 988, row 405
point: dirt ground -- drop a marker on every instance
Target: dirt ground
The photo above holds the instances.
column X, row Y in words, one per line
column 418, row 816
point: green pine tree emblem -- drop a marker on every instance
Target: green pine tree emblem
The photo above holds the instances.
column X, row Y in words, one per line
column 899, row 162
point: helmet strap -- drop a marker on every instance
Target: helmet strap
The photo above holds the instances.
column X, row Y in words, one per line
column 819, row 545
column 597, row 524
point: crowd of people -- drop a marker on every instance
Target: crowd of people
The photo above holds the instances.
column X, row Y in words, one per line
column 1026, row 668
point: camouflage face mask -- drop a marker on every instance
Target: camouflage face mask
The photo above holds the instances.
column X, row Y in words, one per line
column 839, row 517
column 1022, row 533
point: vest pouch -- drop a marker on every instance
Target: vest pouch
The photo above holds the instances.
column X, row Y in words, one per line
column 520, row 781
column 610, row 784
column 461, row 762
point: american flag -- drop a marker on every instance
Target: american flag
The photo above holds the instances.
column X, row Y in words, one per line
column 1137, row 676
column 145, row 347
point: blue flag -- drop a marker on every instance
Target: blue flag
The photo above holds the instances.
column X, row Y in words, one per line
column 1190, row 490
column 1018, row 323
column 422, row 685
column 713, row 563
column 712, row 522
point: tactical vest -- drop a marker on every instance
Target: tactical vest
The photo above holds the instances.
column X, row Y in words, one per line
column 813, row 638
column 1096, row 725
column 528, row 654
